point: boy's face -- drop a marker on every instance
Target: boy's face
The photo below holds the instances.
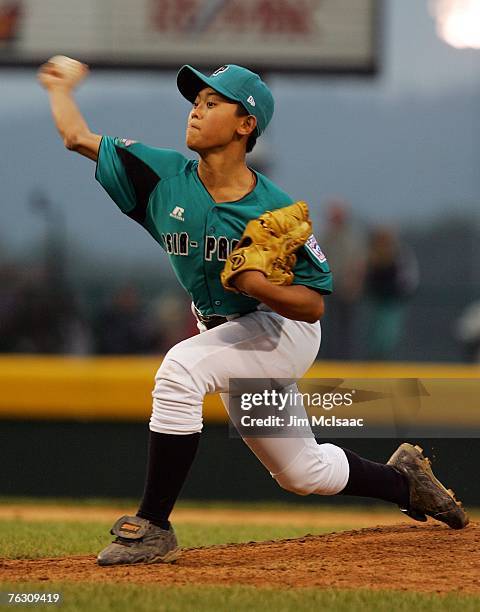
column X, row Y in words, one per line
column 212, row 122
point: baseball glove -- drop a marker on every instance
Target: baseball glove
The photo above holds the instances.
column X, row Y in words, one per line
column 268, row 245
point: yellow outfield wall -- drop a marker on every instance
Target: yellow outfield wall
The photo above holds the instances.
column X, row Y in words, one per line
column 119, row 388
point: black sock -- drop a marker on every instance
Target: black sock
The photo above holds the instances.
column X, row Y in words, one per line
column 370, row 479
column 169, row 460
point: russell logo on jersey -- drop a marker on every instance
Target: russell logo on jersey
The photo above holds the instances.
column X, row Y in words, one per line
column 177, row 213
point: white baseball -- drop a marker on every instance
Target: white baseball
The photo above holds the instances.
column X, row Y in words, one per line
column 72, row 70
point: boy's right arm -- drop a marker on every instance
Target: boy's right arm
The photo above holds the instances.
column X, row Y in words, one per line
column 71, row 125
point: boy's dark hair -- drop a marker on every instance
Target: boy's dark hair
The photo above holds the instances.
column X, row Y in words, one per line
column 252, row 139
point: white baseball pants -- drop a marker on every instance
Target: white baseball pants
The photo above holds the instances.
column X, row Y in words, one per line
column 261, row 344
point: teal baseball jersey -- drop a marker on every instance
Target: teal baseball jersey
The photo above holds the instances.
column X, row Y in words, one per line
column 161, row 190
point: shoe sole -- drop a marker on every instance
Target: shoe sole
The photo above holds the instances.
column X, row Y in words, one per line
column 417, row 452
column 170, row 557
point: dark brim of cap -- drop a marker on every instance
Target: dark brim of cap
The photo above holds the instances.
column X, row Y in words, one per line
column 191, row 81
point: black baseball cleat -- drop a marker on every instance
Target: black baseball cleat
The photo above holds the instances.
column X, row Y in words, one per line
column 428, row 497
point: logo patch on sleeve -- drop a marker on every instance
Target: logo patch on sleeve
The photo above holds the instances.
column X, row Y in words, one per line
column 127, row 142
column 314, row 248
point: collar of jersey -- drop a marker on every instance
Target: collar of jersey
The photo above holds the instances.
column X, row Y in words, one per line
column 241, row 200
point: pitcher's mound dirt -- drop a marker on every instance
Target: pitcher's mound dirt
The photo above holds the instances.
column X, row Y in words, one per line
column 430, row 558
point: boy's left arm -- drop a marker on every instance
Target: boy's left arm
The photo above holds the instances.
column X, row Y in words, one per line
column 279, row 263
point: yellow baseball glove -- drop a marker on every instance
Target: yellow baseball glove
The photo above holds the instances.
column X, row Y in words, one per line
column 268, row 245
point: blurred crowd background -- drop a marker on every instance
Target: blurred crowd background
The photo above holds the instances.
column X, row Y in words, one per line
column 398, row 294
column 388, row 162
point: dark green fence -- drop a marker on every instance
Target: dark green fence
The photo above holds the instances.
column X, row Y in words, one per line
column 74, row 459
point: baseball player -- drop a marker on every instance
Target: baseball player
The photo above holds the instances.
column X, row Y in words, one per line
column 262, row 321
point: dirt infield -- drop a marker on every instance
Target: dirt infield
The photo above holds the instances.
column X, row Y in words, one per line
column 429, row 558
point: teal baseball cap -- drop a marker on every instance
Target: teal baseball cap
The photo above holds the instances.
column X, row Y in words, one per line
column 234, row 82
